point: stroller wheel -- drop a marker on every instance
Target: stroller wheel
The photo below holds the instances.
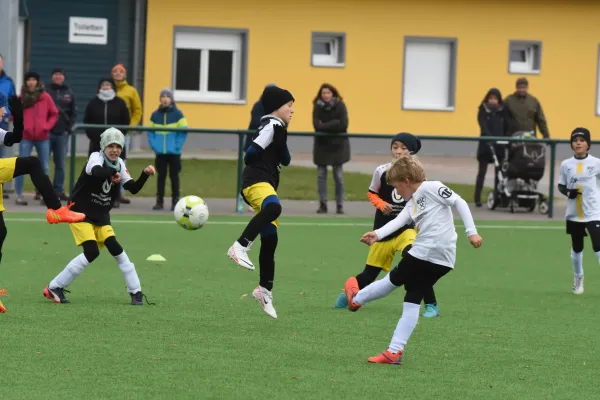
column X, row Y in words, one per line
column 491, row 200
column 543, row 207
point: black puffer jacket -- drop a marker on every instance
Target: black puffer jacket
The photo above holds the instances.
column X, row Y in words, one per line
column 334, row 119
column 492, row 122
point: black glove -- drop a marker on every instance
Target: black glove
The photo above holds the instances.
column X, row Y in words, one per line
column 573, row 193
column 16, row 109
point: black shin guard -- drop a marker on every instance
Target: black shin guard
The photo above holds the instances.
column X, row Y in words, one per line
column 368, row 276
column 32, row 166
column 269, row 213
column 113, row 247
column 90, row 250
column 266, row 260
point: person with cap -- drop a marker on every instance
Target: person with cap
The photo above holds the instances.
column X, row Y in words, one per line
column 13, row 167
column 94, row 194
column 330, row 115
column 525, row 110
column 104, row 109
column 388, row 204
column 64, row 99
column 579, row 179
column 40, row 116
column 130, row 95
column 264, row 159
column 258, row 111
column 167, row 145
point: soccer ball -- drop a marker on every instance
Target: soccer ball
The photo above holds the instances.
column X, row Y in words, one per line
column 191, row 212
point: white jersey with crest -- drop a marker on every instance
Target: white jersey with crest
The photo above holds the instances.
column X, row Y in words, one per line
column 430, row 209
column 582, row 174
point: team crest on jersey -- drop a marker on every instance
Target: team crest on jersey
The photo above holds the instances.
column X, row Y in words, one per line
column 590, row 169
column 444, row 192
column 396, row 198
column 421, row 203
column 106, row 186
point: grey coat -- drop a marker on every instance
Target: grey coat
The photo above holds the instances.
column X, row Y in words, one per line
column 334, row 118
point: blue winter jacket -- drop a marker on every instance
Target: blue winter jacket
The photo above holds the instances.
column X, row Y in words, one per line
column 8, row 87
column 167, row 142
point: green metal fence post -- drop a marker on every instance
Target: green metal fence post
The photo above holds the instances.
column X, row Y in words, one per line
column 551, row 189
column 239, row 202
column 72, row 161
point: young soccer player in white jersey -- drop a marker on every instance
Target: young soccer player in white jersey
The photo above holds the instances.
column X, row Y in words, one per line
column 94, row 194
column 389, row 204
column 431, row 256
column 579, row 181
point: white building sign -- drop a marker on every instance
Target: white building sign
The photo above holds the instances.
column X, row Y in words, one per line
column 88, row 30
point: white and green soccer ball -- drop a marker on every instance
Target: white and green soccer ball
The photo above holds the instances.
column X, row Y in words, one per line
column 191, row 212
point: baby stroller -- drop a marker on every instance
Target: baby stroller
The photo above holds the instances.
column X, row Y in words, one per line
column 518, row 177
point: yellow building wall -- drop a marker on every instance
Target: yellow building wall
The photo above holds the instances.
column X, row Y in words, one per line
column 371, row 82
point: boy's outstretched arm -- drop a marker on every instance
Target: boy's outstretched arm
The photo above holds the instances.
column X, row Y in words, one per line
column 134, row 186
column 16, row 109
column 465, row 214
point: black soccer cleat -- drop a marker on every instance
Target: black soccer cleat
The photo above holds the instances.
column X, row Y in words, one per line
column 137, row 299
column 57, row 295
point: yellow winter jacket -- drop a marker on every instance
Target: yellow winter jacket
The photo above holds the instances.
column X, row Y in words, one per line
column 131, row 97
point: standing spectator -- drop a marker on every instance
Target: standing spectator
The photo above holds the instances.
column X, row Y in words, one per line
column 64, row 99
column 104, row 109
column 493, row 121
column 258, row 111
column 134, row 105
column 525, row 110
column 330, row 116
column 40, row 116
column 167, row 145
column 7, row 86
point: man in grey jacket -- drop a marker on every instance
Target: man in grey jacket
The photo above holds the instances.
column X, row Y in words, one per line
column 525, row 110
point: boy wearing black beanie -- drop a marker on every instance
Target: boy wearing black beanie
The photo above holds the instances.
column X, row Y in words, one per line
column 264, row 158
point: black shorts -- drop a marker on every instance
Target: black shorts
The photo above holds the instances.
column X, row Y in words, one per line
column 416, row 274
column 579, row 230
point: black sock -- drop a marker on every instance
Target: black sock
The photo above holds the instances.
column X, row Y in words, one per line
column 32, row 166
column 259, row 223
column 429, row 296
column 368, row 276
column 266, row 260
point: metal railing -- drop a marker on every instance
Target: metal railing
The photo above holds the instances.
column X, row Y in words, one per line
column 241, row 133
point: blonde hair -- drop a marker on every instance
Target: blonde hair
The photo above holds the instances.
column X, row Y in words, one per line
column 403, row 168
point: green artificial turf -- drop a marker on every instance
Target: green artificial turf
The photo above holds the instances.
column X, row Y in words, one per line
column 218, row 179
column 509, row 327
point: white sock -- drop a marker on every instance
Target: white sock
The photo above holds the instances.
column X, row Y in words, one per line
column 374, row 291
column 406, row 326
column 597, row 255
column 577, row 260
column 71, row 271
column 129, row 273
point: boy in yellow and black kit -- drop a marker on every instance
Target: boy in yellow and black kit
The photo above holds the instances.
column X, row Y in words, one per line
column 389, row 204
column 264, row 158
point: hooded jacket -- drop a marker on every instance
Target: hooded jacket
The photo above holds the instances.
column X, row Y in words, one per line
column 167, row 142
column 132, row 100
column 7, row 86
column 64, row 99
column 111, row 112
column 492, row 122
column 39, row 118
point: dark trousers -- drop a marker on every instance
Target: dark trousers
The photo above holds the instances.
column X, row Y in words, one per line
column 418, row 277
column 172, row 163
column 483, row 166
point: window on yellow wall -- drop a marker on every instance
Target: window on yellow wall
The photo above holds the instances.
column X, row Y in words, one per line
column 209, row 65
column 328, row 49
column 524, row 57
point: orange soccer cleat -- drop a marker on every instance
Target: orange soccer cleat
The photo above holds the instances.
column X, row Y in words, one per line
column 2, row 308
column 64, row 214
column 387, row 358
column 351, row 290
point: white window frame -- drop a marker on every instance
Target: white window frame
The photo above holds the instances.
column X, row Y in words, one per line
column 451, row 101
column 206, row 39
column 533, row 57
column 337, row 43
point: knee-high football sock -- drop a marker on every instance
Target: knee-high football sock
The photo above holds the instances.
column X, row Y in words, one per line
column 577, row 260
column 269, row 213
column 71, row 271
column 406, row 326
column 32, row 166
column 374, row 291
column 266, row 260
column 129, row 273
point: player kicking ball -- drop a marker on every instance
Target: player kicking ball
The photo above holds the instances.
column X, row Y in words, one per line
column 95, row 193
column 431, row 256
column 16, row 166
column 389, row 204
column 578, row 180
